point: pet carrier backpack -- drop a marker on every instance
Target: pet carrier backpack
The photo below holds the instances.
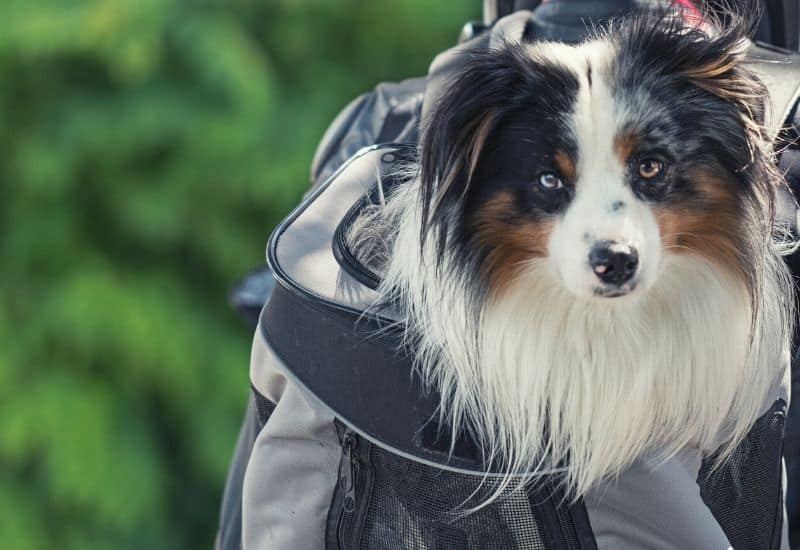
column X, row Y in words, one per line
column 340, row 448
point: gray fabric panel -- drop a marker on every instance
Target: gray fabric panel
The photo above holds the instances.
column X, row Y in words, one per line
column 659, row 506
column 510, row 29
column 293, row 468
column 265, row 375
column 780, row 389
column 655, row 507
column 303, row 251
column 780, row 73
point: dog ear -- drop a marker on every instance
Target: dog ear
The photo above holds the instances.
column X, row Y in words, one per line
column 706, row 48
column 491, row 89
column 454, row 136
column 718, row 65
column 448, row 161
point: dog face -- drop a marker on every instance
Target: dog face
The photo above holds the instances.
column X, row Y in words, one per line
column 601, row 161
column 604, row 236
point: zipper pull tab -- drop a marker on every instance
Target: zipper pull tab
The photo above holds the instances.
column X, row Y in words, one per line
column 348, row 470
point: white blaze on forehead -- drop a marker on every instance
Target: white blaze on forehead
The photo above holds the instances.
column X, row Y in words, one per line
column 595, row 121
column 604, row 206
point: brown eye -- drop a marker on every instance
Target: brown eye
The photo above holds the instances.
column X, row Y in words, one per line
column 550, row 180
column 650, row 168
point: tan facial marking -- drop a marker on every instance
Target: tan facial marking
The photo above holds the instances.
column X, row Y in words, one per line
column 565, row 165
column 510, row 242
column 709, row 226
column 624, row 146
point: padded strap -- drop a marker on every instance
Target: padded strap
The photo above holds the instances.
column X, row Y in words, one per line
column 359, row 369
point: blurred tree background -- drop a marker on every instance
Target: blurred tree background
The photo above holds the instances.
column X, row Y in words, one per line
column 147, row 148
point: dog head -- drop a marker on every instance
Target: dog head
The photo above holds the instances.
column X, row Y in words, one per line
column 602, row 161
column 584, row 257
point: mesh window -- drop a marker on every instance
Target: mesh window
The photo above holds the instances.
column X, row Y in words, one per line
column 745, row 493
column 415, row 507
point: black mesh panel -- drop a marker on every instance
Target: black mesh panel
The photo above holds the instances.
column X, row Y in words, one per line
column 415, row 507
column 745, row 493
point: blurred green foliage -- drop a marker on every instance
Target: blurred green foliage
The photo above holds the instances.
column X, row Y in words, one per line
column 146, row 150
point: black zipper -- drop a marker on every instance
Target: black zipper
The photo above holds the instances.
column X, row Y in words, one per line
column 349, row 478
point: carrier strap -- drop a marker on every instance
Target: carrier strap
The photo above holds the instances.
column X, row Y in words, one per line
column 360, row 371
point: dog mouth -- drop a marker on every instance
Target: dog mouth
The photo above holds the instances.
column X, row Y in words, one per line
column 615, row 291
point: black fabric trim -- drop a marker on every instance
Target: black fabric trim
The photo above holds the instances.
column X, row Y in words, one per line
column 583, row 527
column 435, row 439
column 342, row 252
column 543, row 500
column 264, row 406
column 566, row 526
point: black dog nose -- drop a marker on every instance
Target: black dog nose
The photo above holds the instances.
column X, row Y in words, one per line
column 614, row 263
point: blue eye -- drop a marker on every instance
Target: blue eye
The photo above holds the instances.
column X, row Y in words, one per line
column 550, row 181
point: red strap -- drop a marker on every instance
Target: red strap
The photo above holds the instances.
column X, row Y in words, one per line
column 692, row 14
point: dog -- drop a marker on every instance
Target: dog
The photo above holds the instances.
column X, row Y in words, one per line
column 583, row 251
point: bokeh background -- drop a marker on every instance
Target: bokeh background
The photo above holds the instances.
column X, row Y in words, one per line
column 147, row 148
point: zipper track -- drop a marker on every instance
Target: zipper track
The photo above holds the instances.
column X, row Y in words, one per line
column 355, row 487
column 348, row 478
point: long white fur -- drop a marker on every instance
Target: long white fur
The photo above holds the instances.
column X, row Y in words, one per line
column 542, row 374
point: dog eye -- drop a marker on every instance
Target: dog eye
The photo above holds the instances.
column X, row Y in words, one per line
column 650, row 168
column 550, row 180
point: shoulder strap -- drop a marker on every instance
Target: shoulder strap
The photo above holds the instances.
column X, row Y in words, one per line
column 779, row 69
